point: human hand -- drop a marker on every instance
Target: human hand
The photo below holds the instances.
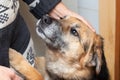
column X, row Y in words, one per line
column 8, row 74
column 61, row 10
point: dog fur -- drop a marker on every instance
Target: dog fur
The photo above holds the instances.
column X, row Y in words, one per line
column 74, row 51
column 21, row 65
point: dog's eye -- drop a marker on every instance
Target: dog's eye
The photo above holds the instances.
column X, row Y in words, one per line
column 74, row 31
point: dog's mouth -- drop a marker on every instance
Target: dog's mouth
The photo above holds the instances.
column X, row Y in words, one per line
column 49, row 30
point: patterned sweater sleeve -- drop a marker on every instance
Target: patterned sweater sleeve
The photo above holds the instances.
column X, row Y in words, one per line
column 41, row 7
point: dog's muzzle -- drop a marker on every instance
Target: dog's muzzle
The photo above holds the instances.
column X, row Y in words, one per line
column 42, row 25
column 44, row 22
column 49, row 30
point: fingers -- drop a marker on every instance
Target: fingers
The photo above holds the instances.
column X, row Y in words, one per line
column 82, row 19
column 8, row 74
column 16, row 77
column 55, row 14
column 59, row 11
column 13, row 75
column 89, row 25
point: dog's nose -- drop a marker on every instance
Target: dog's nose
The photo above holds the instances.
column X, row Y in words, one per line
column 46, row 20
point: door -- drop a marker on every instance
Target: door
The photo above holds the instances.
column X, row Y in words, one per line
column 107, row 21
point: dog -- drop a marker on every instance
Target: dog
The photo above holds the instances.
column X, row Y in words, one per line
column 74, row 51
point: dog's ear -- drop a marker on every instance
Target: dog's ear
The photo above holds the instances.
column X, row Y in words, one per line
column 98, row 52
column 101, row 66
column 93, row 57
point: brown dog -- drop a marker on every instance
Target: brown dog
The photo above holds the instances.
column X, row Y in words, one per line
column 74, row 52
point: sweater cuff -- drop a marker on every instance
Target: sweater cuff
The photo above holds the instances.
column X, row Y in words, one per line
column 43, row 7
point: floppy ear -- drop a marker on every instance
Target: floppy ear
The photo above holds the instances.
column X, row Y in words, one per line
column 93, row 57
column 101, row 66
column 98, row 51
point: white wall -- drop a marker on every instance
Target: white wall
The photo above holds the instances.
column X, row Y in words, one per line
column 86, row 8
column 71, row 4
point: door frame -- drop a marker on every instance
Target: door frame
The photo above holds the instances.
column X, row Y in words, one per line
column 117, row 44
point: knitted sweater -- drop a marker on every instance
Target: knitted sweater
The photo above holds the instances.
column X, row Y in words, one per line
column 9, row 9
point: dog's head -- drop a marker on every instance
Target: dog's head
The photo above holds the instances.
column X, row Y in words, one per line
column 72, row 41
